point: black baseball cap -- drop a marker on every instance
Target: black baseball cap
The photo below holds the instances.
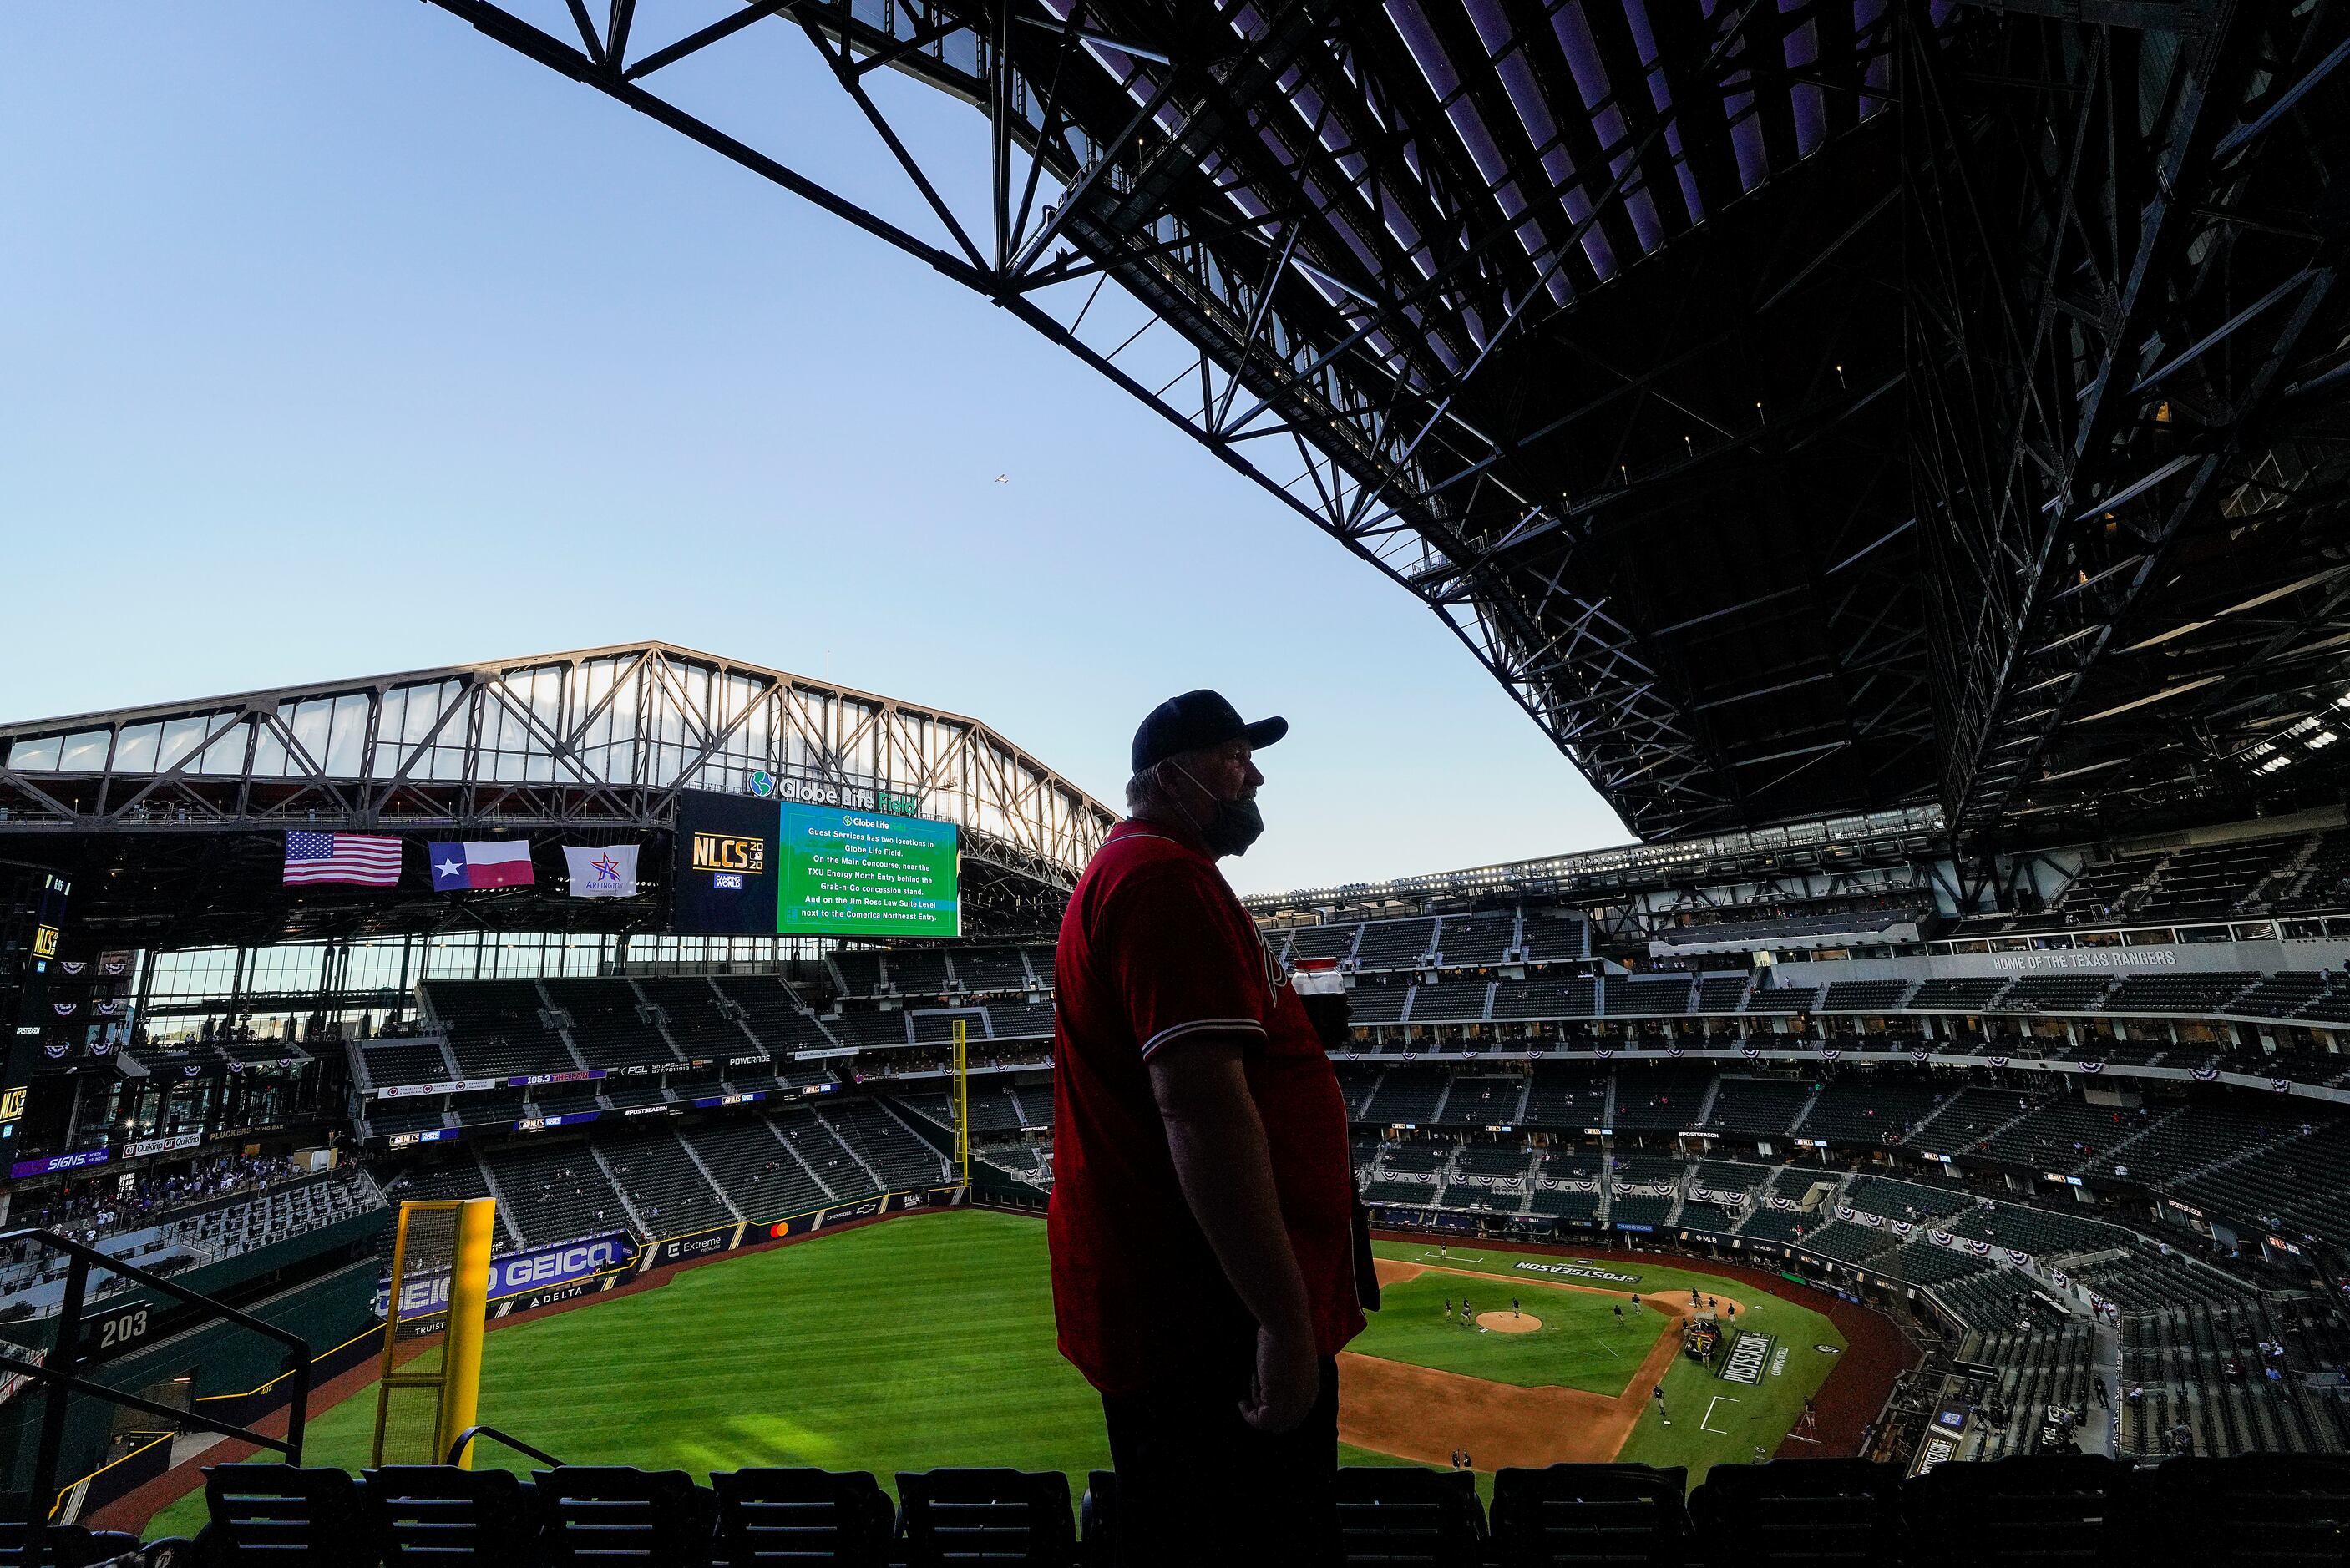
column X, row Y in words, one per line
column 1194, row 720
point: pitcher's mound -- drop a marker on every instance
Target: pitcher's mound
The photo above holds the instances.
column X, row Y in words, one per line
column 1509, row 1322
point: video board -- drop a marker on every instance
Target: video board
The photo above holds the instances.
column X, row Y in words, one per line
column 747, row 867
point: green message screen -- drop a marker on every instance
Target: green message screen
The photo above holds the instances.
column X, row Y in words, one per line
column 868, row 874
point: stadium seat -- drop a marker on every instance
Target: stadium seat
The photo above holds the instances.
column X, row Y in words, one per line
column 440, row 1515
column 67, row 1545
column 1009, row 1517
column 1623, row 1515
column 802, row 1516
column 1802, row 1512
column 281, row 1516
column 2071, row 1509
column 598, row 1516
column 1097, row 1519
column 1389, row 1515
column 2272, row 1509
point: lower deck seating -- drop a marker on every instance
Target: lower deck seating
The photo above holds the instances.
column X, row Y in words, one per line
column 757, row 1168
column 886, row 1145
column 554, row 1192
column 667, row 1189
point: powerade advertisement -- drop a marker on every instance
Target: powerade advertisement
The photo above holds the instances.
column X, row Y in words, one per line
column 747, row 867
column 543, row 1268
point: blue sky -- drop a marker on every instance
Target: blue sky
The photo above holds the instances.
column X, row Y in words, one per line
column 339, row 340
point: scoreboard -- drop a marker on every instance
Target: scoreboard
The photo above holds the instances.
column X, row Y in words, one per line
column 747, row 867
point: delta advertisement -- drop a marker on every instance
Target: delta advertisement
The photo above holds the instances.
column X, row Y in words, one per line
column 748, row 867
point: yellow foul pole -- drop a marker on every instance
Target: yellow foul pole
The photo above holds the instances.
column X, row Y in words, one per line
column 469, row 1310
column 961, row 1106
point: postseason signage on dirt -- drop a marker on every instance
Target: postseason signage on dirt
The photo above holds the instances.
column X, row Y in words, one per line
column 1580, row 1271
column 1747, row 1358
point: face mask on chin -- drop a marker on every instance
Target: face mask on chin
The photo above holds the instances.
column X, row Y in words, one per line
column 1232, row 827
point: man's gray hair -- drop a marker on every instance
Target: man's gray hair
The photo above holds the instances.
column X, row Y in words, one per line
column 1151, row 791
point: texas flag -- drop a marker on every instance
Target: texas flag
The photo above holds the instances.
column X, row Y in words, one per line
column 456, row 867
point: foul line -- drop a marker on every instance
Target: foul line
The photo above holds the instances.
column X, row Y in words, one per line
column 1705, row 1425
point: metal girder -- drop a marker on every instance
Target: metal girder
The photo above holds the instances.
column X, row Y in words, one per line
column 2122, row 263
column 561, row 744
column 1365, row 229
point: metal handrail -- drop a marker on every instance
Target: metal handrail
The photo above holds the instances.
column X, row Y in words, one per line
column 466, row 1437
column 60, row 1373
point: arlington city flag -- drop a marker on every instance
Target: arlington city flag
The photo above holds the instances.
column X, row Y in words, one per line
column 602, row 871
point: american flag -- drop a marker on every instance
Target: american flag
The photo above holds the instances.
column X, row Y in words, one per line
column 370, row 860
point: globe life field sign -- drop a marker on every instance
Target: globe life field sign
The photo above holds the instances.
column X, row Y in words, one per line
column 761, row 867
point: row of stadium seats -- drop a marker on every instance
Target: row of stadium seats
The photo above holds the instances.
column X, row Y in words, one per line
column 1864, row 922
column 1897, row 1229
column 660, row 1178
column 2224, row 1154
column 2203, row 1366
column 2309, row 994
column 1944, row 1111
column 1477, row 941
column 2215, row 882
column 940, row 971
column 2075, row 1508
column 219, row 1230
column 502, row 1029
column 2271, row 877
column 2038, row 1369
column 626, row 1034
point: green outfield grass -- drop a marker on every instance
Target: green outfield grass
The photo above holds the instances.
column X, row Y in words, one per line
column 928, row 1341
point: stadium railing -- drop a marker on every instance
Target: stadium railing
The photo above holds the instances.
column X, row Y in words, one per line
column 82, row 1343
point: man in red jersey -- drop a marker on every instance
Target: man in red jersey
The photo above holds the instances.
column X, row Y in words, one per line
column 1203, row 1259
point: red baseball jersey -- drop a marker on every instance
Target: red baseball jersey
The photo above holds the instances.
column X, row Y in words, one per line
column 1155, row 949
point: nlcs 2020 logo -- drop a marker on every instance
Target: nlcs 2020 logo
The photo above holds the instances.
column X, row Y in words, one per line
column 730, row 852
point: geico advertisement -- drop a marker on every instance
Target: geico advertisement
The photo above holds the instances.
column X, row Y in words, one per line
column 546, row 1268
